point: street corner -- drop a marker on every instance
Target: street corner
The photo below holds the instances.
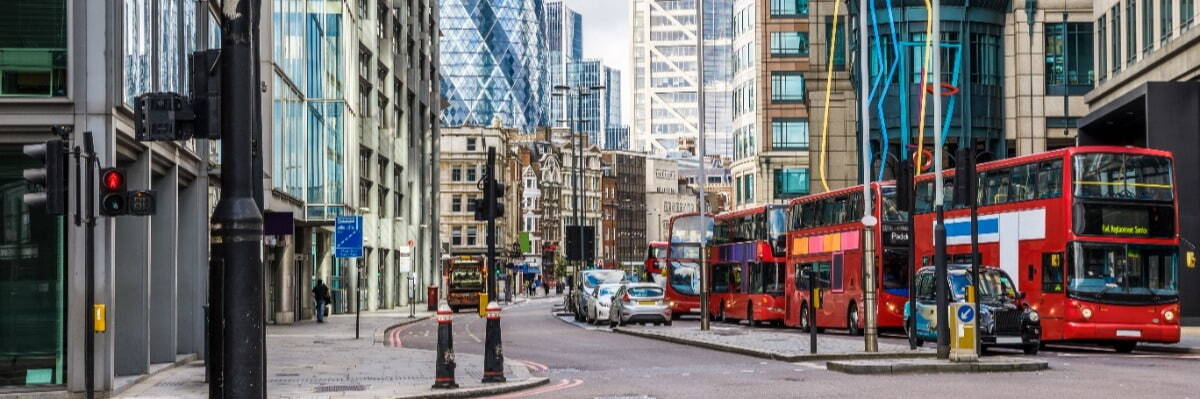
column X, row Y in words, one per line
column 931, row 366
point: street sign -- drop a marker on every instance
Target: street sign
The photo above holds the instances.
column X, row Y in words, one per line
column 966, row 314
column 404, row 259
column 348, row 237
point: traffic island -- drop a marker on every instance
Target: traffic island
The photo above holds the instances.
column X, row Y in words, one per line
column 783, row 345
column 930, row 366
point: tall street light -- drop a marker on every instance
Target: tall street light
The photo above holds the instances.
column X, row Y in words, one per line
column 577, row 92
column 703, row 178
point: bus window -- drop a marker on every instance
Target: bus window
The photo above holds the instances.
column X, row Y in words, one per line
column 735, row 279
column 1023, row 182
column 720, row 278
column 1049, row 179
column 837, row 273
column 924, row 194
column 895, row 271
column 1052, row 272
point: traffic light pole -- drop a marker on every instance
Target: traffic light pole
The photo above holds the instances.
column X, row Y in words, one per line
column 489, row 188
column 237, row 221
column 85, row 159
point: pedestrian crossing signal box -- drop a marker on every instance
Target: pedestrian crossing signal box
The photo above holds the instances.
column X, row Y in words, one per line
column 962, row 332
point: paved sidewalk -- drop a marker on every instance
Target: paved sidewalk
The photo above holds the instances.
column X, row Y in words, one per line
column 772, row 344
column 925, row 366
column 313, row 360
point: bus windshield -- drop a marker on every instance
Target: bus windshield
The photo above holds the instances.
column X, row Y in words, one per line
column 685, row 277
column 1123, row 177
column 466, row 279
column 688, row 229
column 1121, row 273
column 891, row 211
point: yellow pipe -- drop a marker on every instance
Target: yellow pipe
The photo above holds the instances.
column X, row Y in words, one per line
column 924, row 73
column 829, row 89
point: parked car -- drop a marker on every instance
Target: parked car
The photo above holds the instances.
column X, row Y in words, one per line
column 588, row 281
column 600, row 301
column 1005, row 320
column 639, row 303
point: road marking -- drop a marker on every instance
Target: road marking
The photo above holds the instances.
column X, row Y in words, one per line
column 561, row 385
column 533, row 366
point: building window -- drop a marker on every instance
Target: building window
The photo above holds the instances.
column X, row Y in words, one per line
column 789, row 44
column 1069, row 58
column 789, row 8
column 456, row 203
column 456, row 173
column 471, row 173
column 33, row 48
column 791, row 183
column 471, row 236
column 1165, row 20
column 787, row 87
column 1115, row 39
column 839, row 51
column 470, row 144
column 789, row 134
column 33, row 277
column 749, row 182
column 1147, row 25
column 1187, row 9
column 1102, row 36
column 1131, row 31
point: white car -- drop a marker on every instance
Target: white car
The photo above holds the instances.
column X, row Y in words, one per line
column 600, row 302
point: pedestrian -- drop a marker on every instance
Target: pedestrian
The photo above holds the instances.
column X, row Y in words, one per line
column 321, row 294
column 546, row 288
column 537, row 283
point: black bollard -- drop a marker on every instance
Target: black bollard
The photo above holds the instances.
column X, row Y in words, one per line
column 444, row 374
column 493, row 353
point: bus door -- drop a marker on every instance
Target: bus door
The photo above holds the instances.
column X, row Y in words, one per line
column 826, row 312
column 1051, row 304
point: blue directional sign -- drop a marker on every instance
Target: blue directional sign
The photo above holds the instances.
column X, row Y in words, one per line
column 348, row 237
column 966, row 314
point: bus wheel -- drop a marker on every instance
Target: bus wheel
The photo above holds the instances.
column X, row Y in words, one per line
column 1125, row 346
column 852, row 320
column 804, row 323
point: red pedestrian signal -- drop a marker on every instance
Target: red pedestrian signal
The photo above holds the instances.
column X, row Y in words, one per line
column 114, row 200
column 113, row 180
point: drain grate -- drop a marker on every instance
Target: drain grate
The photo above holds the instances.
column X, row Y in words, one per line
column 339, row 388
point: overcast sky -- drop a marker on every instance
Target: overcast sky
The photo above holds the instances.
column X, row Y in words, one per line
column 606, row 36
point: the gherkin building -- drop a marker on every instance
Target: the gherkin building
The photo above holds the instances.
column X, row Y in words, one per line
column 493, row 55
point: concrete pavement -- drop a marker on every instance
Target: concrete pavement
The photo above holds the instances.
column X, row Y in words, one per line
column 770, row 343
column 318, row 360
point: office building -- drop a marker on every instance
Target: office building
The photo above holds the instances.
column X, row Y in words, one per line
column 493, row 55
column 564, row 45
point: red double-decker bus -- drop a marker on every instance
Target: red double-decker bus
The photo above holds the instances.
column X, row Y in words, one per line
column 826, row 237
column 1090, row 233
column 681, row 268
column 749, row 265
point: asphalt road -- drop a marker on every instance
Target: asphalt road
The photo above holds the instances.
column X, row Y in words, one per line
column 591, row 362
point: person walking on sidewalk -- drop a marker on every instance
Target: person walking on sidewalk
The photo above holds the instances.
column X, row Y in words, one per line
column 321, row 294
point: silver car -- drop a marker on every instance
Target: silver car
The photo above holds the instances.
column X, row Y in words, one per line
column 639, row 303
column 600, row 302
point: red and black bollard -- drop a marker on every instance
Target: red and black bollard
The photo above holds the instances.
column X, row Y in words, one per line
column 444, row 375
column 493, row 354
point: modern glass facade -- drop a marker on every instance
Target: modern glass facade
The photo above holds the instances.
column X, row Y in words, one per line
column 664, row 75
column 564, row 45
column 587, row 110
column 32, row 262
column 33, row 48
column 616, row 138
column 309, row 105
column 972, row 62
column 493, row 55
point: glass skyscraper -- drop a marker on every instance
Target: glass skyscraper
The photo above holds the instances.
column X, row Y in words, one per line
column 564, row 45
column 600, row 110
column 493, row 55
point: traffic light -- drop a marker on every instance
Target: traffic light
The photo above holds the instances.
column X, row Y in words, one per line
column 904, row 186
column 116, row 200
column 479, row 206
column 964, row 177
column 499, row 197
column 52, row 176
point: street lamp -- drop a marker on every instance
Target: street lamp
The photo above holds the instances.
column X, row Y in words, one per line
column 577, row 92
column 704, row 320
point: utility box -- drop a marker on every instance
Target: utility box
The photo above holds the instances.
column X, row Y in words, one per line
column 962, row 332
